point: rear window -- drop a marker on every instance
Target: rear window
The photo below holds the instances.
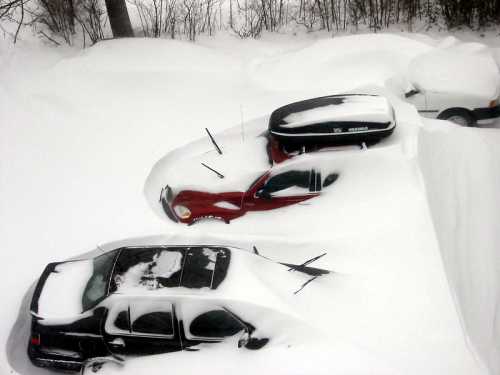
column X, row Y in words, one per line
column 97, row 286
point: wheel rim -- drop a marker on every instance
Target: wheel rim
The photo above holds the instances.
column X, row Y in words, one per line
column 458, row 120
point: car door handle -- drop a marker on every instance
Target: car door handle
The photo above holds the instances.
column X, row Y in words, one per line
column 118, row 342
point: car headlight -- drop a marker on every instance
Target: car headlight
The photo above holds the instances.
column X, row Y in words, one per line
column 182, row 211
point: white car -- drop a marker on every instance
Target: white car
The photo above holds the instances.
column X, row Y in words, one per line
column 460, row 83
column 466, row 110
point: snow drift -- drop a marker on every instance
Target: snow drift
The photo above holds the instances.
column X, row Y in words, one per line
column 81, row 130
column 461, row 168
column 456, row 70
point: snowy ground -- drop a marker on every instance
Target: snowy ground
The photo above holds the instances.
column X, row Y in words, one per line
column 80, row 131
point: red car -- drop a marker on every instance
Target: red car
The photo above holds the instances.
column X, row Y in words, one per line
column 269, row 191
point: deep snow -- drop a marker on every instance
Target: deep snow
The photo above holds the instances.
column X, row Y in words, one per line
column 81, row 130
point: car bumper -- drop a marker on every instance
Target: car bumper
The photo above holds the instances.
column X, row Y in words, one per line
column 54, row 362
column 58, row 364
column 487, row 114
column 166, row 197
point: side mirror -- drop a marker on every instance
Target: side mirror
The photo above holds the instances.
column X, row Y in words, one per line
column 244, row 339
column 330, row 179
column 411, row 93
column 252, row 343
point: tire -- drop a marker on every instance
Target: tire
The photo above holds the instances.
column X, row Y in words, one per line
column 459, row 116
column 94, row 365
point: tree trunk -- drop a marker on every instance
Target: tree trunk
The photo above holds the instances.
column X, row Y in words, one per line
column 118, row 18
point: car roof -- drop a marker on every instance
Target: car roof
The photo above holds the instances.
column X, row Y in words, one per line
column 244, row 281
column 153, row 268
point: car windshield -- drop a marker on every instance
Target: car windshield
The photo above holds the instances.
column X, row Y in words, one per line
column 97, row 286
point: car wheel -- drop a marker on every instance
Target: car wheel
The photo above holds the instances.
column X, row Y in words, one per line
column 459, row 116
column 94, row 365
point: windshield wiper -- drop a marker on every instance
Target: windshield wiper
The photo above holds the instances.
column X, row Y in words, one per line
column 220, row 175
column 214, row 143
column 304, row 285
column 309, row 261
column 307, row 270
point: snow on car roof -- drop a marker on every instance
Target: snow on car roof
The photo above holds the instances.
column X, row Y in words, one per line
column 362, row 108
column 246, row 271
column 454, row 71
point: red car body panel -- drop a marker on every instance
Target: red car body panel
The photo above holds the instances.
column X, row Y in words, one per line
column 205, row 205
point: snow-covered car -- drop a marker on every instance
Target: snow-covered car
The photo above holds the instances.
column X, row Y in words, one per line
column 332, row 120
column 462, row 109
column 136, row 299
column 276, row 188
column 449, row 84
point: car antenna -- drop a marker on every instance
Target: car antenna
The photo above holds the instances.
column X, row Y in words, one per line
column 242, row 122
column 220, row 175
column 304, row 285
column 100, row 248
column 255, row 250
column 307, row 262
column 213, row 141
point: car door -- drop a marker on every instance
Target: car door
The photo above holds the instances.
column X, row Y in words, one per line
column 142, row 325
column 204, row 322
column 282, row 189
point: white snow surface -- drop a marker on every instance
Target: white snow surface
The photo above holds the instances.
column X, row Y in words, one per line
column 66, row 284
column 82, row 129
column 354, row 108
column 457, row 69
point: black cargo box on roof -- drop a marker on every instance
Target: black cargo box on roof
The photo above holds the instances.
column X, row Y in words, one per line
column 333, row 120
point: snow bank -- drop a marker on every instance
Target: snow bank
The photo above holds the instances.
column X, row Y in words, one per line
column 81, row 130
column 461, row 168
column 339, row 64
column 457, row 69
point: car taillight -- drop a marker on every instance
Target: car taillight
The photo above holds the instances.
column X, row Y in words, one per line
column 35, row 340
column 493, row 103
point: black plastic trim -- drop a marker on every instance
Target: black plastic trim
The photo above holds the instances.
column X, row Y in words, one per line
column 486, row 113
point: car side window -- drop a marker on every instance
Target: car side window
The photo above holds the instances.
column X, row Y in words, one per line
column 154, row 323
column 151, row 317
column 141, row 316
column 286, row 183
column 215, row 324
column 122, row 321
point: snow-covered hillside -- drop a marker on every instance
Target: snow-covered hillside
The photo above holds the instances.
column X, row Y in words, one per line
column 80, row 131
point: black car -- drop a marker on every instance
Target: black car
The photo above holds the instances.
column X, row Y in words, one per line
column 140, row 300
